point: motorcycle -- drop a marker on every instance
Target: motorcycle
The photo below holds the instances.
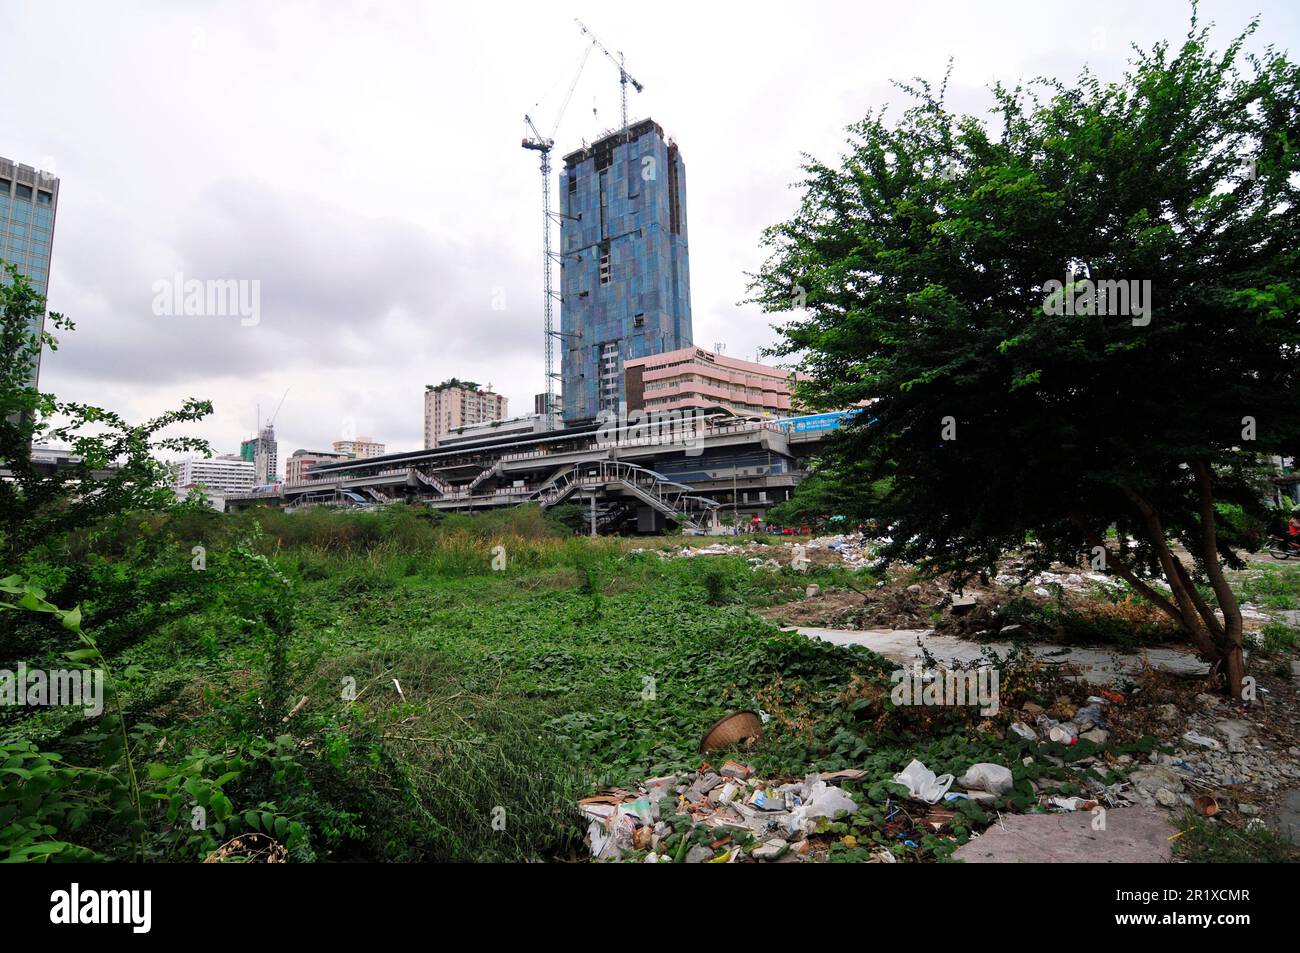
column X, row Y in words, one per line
column 1284, row 547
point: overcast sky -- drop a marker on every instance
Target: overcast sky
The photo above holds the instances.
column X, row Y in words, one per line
column 361, row 160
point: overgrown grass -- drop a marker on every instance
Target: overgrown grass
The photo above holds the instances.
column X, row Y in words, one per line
column 1274, row 586
column 1209, row 841
column 445, row 687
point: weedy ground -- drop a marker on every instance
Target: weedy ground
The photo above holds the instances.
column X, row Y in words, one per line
column 445, row 688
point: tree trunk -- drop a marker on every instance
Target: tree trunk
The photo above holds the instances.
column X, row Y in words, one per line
column 1231, row 643
column 1218, row 642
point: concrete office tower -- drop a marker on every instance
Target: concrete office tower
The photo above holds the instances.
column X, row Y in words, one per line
column 264, row 453
column 456, row 403
column 624, row 274
column 28, row 202
column 225, row 474
column 695, row 378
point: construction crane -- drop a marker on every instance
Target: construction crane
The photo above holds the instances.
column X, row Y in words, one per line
column 544, row 144
column 624, row 77
column 277, row 407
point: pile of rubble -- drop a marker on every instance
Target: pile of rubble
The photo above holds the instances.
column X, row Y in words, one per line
column 853, row 549
column 716, row 816
column 1218, row 756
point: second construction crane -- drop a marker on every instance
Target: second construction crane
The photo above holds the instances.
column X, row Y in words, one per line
column 544, row 144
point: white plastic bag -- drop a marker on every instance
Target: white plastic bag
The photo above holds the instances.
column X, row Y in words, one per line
column 922, row 783
column 822, row 800
column 986, row 776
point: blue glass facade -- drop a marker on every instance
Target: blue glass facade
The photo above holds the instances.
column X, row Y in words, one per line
column 624, row 272
column 28, row 201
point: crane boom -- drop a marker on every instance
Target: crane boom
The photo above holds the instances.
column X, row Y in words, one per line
column 624, row 77
column 278, row 406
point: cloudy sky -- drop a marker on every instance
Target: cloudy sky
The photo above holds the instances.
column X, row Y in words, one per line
column 361, row 160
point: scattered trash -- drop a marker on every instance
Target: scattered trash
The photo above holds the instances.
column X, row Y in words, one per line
column 709, row 816
column 1206, row 806
column 1196, row 738
column 822, row 800
column 1024, row 731
column 985, row 776
column 1061, row 732
column 922, row 783
column 851, row 774
column 1089, row 715
column 1073, row 803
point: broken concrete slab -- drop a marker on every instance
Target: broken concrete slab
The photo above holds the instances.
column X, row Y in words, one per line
column 1287, row 820
column 1131, row 835
column 961, row 605
column 1153, row 778
column 1236, row 732
column 1097, row 666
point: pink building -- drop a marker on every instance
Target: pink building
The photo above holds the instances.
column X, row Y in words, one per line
column 694, row 377
column 454, row 404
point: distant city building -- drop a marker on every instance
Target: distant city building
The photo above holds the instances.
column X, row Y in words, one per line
column 361, row 448
column 28, row 202
column 624, row 270
column 44, row 454
column 263, row 452
column 557, row 409
column 508, row 427
column 224, row 474
column 456, row 403
column 694, row 377
column 300, row 462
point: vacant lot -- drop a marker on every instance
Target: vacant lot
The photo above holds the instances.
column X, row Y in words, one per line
column 447, row 688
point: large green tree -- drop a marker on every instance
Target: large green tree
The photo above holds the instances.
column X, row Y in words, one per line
column 113, row 467
column 946, row 269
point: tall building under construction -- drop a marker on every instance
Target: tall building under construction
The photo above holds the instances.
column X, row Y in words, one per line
column 624, row 272
column 28, row 201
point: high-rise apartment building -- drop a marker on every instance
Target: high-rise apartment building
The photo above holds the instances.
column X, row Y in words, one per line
column 455, row 403
column 28, row 201
column 360, row 448
column 624, row 271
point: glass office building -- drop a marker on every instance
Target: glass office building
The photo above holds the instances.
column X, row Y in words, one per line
column 624, row 272
column 28, row 201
